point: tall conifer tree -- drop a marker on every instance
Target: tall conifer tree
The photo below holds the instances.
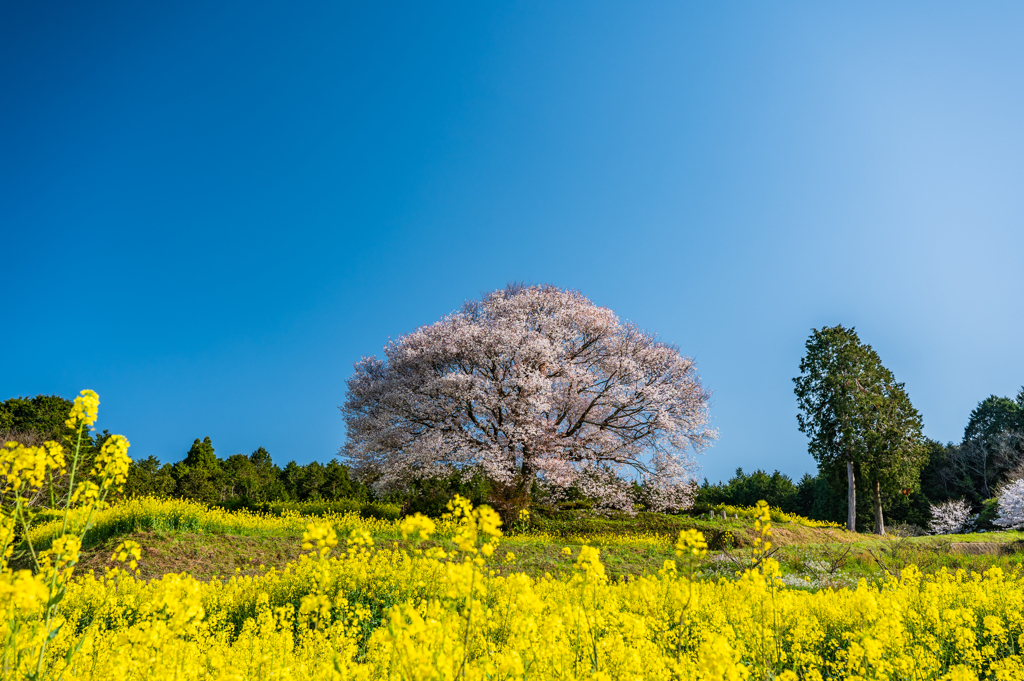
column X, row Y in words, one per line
column 855, row 413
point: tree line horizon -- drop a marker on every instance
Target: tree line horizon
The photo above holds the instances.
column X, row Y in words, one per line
column 534, row 395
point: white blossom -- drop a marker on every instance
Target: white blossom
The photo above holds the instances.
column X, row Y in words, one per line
column 1011, row 506
column 950, row 517
column 528, row 383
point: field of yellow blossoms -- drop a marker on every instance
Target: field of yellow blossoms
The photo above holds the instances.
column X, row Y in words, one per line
column 351, row 609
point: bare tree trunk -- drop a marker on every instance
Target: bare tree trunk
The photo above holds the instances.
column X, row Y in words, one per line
column 851, row 508
column 528, row 474
column 876, row 493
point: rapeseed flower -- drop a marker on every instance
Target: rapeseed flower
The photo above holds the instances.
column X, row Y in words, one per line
column 84, row 410
column 372, row 612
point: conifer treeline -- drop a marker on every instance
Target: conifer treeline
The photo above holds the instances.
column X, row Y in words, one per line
column 235, row 481
column 990, row 454
column 241, row 480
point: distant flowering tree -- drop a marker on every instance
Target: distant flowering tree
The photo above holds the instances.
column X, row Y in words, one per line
column 1011, row 506
column 529, row 383
column 667, row 491
column 950, row 517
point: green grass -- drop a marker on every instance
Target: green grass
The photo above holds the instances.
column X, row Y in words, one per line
column 366, row 509
column 211, row 544
column 204, row 556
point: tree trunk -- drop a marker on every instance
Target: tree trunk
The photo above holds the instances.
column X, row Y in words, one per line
column 876, row 493
column 851, row 501
column 527, row 477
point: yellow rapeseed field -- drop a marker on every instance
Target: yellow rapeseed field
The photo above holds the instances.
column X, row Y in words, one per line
column 350, row 609
column 141, row 514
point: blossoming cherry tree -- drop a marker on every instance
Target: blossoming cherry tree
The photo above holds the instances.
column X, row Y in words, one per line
column 531, row 382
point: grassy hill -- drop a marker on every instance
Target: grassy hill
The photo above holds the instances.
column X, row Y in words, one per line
column 180, row 536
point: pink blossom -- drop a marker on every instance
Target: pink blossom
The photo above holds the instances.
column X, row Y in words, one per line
column 529, row 383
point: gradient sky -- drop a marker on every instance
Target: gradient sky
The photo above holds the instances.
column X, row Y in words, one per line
column 209, row 211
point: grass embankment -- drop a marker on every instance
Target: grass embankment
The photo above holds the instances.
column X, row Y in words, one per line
column 183, row 516
column 183, row 536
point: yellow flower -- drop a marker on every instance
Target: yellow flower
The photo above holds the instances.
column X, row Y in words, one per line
column 112, row 463
column 127, row 549
column 320, row 538
column 470, row 523
column 86, row 493
column 25, row 468
column 24, row 592
column 84, row 410
column 63, row 553
column 691, row 542
column 417, row 524
column 718, row 661
column 589, row 563
column 316, row 604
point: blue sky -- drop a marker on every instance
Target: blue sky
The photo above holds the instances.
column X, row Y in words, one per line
column 208, row 213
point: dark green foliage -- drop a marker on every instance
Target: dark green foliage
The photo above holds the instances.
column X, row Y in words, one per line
column 995, row 415
column 338, row 485
column 988, row 512
column 252, row 479
column 828, row 499
column 199, row 475
column 856, row 416
column 317, row 481
column 938, row 481
column 34, row 420
column 201, row 455
column 261, row 458
column 147, row 477
column 971, row 470
column 430, row 496
column 991, row 454
column 242, row 481
column 992, row 451
column 42, row 415
column 815, row 496
column 806, row 493
column 746, row 490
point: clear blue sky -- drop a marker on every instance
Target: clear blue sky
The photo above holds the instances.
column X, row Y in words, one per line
column 209, row 211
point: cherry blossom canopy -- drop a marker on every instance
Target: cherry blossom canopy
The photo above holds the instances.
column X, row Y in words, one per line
column 528, row 382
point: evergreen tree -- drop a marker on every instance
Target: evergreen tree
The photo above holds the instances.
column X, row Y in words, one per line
column 267, row 475
column 993, row 447
column 856, row 414
column 339, row 485
column 146, row 477
column 291, row 480
column 42, row 416
column 995, row 415
column 199, row 475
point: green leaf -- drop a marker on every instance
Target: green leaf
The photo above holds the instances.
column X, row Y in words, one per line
column 74, row 650
column 57, row 597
